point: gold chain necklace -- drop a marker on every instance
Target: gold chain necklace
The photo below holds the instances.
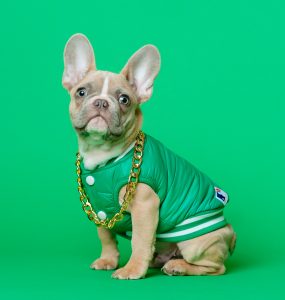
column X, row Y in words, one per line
column 130, row 189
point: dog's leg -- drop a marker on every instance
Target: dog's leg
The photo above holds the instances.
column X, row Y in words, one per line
column 144, row 210
column 181, row 267
column 204, row 255
column 164, row 251
column 109, row 255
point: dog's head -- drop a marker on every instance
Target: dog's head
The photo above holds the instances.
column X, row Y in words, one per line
column 105, row 105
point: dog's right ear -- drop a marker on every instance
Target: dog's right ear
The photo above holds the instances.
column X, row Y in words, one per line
column 141, row 70
column 78, row 58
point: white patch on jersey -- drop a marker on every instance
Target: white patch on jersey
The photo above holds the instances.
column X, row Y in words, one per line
column 221, row 195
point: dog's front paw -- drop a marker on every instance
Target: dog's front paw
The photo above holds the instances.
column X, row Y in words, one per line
column 104, row 264
column 130, row 272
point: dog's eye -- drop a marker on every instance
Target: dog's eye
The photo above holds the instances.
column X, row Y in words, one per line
column 81, row 92
column 124, row 99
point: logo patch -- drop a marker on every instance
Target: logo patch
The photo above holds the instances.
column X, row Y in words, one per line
column 221, row 195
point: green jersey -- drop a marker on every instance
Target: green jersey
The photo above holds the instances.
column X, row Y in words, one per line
column 191, row 204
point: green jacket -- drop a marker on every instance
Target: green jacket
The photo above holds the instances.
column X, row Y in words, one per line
column 190, row 203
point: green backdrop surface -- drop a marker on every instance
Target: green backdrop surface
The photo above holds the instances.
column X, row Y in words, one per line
column 218, row 101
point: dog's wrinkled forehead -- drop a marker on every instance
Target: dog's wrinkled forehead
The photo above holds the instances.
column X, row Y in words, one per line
column 104, row 84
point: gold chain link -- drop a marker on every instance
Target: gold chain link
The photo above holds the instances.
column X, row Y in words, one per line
column 130, row 189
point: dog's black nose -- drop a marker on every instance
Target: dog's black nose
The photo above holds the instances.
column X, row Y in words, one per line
column 101, row 103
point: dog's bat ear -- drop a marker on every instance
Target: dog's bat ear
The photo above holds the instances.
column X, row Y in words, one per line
column 141, row 70
column 78, row 58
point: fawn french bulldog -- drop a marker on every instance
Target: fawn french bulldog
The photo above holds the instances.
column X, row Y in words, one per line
column 174, row 215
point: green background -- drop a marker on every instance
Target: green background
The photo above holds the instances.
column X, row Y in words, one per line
column 218, row 101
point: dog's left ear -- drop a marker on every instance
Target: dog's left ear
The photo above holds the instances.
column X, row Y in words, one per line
column 141, row 70
column 78, row 58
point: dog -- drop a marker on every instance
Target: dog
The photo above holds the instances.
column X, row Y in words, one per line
column 174, row 216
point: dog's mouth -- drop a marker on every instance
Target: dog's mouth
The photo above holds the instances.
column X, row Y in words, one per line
column 82, row 128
